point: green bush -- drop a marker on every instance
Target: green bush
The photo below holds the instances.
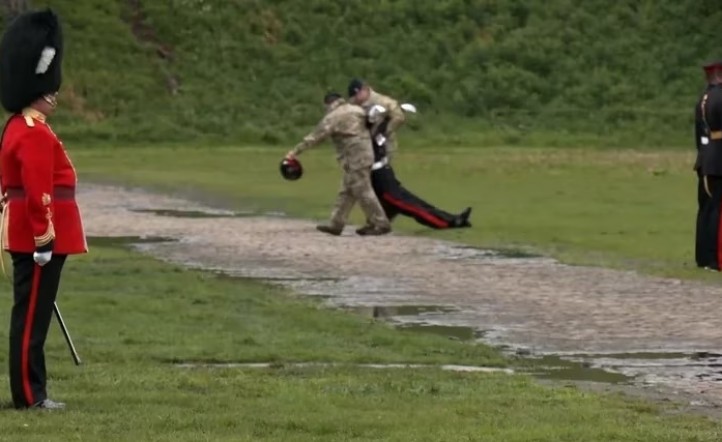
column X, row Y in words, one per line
column 481, row 71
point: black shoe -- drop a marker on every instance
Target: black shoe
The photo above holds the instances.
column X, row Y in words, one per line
column 374, row 231
column 49, row 404
column 336, row 231
column 464, row 218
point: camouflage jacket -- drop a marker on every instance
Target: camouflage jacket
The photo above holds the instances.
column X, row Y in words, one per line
column 345, row 124
column 395, row 113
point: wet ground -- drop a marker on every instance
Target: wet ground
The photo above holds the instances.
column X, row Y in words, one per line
column 601, row 327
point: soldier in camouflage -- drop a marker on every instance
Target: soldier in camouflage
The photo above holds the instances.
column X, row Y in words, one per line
column 360, row 93
column 345, row 124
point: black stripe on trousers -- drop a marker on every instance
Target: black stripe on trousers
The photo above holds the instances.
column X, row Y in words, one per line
column 34, row 290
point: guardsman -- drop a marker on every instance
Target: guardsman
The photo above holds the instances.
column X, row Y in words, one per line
column 362, row 94
column 708, row 138
column 41, row 221
column 395, row 198
column 345, row 124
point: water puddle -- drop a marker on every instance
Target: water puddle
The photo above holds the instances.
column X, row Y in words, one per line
column 461, row 252
column 459, row 333
column 175, row 213
column 416, row 319
column 118, row 241
column 399, row 310
column 559, row 369
column 282, row 365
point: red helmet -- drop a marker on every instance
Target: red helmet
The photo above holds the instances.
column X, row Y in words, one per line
column 291, row 169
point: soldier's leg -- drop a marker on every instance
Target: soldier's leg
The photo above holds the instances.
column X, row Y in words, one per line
column 703, row 200
column 712, row 229
column 360, row 185
column 382, row 180
column 345, row 201
column 35, row 290
column 411, row 205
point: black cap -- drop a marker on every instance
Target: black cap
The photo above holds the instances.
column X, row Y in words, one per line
column 354, row 86
column 331, row 97
column 31, row 54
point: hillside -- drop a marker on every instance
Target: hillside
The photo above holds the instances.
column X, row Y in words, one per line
column 481, row 71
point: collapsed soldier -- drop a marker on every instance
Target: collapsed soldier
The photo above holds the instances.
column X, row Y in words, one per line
column 395, row 198
column 345, row 124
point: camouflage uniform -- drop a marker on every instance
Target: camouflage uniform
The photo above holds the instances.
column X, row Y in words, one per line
column 395, row 115
column 345, row 124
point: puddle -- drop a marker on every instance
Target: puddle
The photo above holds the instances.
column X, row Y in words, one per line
column 281, row 365
column 399, row 310
column 193, row 213
column 559, row 369
column 502, row 252
column 174, row 213
column 223, row 275
column 455, row 332
column 116, row 241
column 456, row 252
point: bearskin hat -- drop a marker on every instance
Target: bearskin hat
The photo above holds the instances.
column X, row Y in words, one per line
column 31, row 55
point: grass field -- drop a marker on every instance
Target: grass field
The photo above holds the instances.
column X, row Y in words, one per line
column 131, row 317
column 618, row 208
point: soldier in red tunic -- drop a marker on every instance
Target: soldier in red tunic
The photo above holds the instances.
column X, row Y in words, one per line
column 41, row 221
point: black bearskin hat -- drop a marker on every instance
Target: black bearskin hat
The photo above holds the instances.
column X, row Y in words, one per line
column 31, row 55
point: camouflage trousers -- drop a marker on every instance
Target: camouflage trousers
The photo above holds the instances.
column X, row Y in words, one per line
column 356, row 187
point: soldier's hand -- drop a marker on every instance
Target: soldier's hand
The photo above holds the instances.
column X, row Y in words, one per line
column 290, row 155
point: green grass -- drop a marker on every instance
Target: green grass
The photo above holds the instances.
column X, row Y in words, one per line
column 130, row 315
column 619, row 208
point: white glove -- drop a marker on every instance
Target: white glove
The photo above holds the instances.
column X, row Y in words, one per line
column 376, row 113
column 42, row 258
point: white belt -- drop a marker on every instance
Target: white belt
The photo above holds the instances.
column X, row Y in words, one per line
column 381, row 163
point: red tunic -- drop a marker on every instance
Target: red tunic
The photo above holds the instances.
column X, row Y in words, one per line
column 38, row 183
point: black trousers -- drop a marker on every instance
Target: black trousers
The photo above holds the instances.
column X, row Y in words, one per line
column 395, row 199
column 708, row 250
column 35, row 289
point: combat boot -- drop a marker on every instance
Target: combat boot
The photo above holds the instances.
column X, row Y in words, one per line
column 362, row 231
column 374, row 231
column 331, row 230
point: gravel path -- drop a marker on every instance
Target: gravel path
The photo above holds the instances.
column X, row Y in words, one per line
column 534, row 303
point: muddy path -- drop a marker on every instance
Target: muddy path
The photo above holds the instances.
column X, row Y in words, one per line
column 661, row 332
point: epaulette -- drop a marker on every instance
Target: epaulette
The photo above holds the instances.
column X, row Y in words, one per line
column 31, row 115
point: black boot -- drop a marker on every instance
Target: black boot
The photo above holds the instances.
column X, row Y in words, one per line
column 463, row 219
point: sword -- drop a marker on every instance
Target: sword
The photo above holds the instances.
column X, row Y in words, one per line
column 74, row 353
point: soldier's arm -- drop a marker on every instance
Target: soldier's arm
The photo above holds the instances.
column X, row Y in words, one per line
column 396, row 116
column 36, row 161
column 320, row 133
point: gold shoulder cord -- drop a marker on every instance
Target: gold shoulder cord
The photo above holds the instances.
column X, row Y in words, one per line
column 5, row 213
column 2, row 238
